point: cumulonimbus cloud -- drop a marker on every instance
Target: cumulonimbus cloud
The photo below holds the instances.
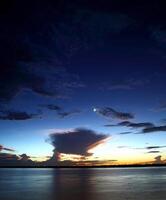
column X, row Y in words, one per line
column 77, row 141
column 158, row 160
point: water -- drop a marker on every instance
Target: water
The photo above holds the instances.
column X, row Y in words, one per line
column 83, row 184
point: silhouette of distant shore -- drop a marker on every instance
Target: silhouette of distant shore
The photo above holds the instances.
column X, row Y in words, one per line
column 102, row 166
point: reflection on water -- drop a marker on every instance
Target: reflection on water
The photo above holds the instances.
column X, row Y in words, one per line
column 87, row 184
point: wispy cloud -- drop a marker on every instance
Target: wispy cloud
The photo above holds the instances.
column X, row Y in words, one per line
column 160, row 108
column 61, row 112
column 155, row 147
column 51, row 107
column 153, row 152
column 2, row 148
column 132, row 125
column 16, row 115
column 125, row 133
column 125, row 85
column 69, row 113
column 154, row 129
column 113, row 114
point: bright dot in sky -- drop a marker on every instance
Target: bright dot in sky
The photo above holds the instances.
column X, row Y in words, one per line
column 94, row 109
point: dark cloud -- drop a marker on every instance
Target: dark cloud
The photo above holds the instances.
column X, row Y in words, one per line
column 60, row 111
column 24, row 157
column 8, row 159
column 78, row 141
column 52, row 107
column 163, row 121
column 125, row 85
column 148, row 127
column 140, row 125
column 111, row 113
column 6, row 149
column 125, row 133
column 95, row 162
column 133, row 125
column 40, row 52
column 16, row 115
column 159, row 35
column 153, row 152
column 123, row 147
column 152, row 149
column 160, row 108
column 66, row 114
column 158, row 160
column 155, row 147
column 154, row 129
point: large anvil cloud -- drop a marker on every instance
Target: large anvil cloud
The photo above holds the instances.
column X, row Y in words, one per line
column 77, row 141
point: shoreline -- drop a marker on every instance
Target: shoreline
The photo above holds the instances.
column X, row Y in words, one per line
column 110, row 166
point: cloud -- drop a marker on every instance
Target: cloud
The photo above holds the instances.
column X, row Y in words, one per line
column 154, row 129
column 77, row 141
column 125, row 85
column 155, row 147
column 40, row 52
column 147, row 127
column 8, row 159
column 153, row 152
column 2, row 148
column 163, row 121
column 159, row 35
column 132, row 125
column 24, row 157
column 60, row 111
column 95, row 162
column 160, row 108
column 51, row 107
column 125, row 133
column 39, row 73
column 111, row 113
column 152, row 149
column 123, row 147
column 140, row 125
column 158, row 160
column 66, row 114
column 16, row 115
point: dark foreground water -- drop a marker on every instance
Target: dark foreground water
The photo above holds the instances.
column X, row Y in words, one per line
column 83, row 184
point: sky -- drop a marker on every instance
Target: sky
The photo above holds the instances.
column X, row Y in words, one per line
column 82, row 83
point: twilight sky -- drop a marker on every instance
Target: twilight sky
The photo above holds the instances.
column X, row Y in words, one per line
column 82, row 82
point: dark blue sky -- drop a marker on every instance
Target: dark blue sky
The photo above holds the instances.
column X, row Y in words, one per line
column 82, row 67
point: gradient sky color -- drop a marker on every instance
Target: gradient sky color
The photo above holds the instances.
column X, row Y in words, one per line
column 74, row 67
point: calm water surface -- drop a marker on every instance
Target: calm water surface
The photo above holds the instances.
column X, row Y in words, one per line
column 83, row 184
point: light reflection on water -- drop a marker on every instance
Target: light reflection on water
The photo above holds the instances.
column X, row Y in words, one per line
column 83, row 184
